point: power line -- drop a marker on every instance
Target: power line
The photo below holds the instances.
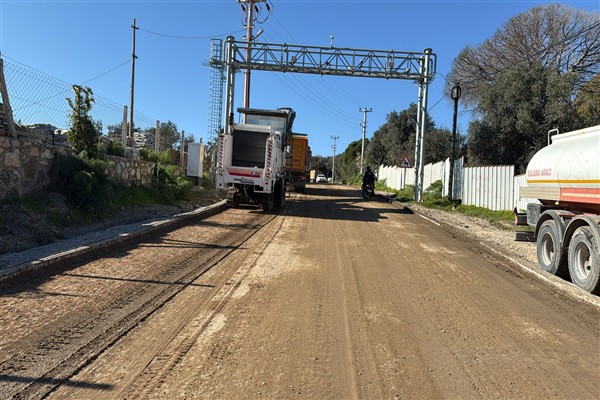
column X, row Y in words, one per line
column 107, row 72
column 189, row 37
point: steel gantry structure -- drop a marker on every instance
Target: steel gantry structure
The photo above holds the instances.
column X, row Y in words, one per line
column 387, row 64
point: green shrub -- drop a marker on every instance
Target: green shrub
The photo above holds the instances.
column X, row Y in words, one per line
column 207, row 182
column 165, row 157
column 83, row 181
column 148, row 155
column 406, row 194
column 434, row 191
column 169, row 187
column 115, row 149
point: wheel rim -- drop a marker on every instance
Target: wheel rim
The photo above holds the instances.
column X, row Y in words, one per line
column 582, row 262
column 547, row 249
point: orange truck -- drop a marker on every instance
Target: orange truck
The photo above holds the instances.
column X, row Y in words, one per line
column 300, row 165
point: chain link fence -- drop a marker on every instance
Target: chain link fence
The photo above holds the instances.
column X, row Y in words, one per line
column 39, row 100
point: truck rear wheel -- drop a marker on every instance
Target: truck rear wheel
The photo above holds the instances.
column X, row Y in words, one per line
column 584, row 260
column 548, row 250
column 267, row 202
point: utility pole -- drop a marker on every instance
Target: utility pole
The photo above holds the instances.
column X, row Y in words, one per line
column 133, row 57
column 333, row 166
column 364, row 132
column 249, row 6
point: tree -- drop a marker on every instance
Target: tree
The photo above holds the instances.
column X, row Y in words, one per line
column 322, row 164
column 395, row 139
column 169, row 135
column 587, row 103
column 350, row 160
column 83, row 134
column 523, row 81
column 554, row 36
column 516, row 111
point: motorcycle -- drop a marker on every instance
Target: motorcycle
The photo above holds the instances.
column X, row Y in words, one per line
column 368, row 191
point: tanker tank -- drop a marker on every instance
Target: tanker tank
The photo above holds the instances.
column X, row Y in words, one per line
column 565, row 177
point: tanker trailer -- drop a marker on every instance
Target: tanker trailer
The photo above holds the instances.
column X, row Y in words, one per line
column 565, row 177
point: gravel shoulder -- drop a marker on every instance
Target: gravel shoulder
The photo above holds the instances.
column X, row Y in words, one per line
column 502, row 243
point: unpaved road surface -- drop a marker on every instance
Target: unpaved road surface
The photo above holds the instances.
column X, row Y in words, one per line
column 332, row 297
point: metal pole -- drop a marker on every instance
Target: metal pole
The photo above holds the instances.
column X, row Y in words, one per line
column 229, row 84
column 250, row 16
column 416, row 189
column 133, row 57
column 424, row 123
column 364, row 126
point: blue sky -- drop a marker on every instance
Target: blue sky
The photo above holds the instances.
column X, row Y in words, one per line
column 76, row 41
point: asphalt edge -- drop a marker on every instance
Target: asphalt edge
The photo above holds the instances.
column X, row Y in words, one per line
column 156, row 226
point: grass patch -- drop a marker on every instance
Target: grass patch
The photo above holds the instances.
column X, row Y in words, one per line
column 499, row 219
column 135, row 196
column 432, row 198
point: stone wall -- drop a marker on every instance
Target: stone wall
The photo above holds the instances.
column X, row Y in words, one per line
column 132, row 172
column 25, row 164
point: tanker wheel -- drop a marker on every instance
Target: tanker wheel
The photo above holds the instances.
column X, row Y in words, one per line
column 584, row 260
column 548, row 250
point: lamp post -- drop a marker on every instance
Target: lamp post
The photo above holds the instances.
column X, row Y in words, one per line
column 454, row 95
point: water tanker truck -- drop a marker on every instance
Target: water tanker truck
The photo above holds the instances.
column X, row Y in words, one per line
column 251, row 159
column 565, row 177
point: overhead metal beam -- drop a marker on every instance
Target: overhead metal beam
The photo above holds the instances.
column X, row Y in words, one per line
column 388, row 64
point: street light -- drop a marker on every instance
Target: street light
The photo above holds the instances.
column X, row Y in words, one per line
column 454, row 95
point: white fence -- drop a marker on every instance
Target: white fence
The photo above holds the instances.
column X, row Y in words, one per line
column 397, row 178
column 492, row 187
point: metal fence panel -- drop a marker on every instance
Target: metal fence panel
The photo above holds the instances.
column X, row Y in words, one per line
column 457, row 179
column 439, row 171
column 396, row 177
column 491, row 187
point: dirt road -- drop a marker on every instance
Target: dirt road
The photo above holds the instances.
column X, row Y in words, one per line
column 332, row 297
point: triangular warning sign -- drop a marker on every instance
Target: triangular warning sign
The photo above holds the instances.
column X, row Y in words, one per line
column 405, row 163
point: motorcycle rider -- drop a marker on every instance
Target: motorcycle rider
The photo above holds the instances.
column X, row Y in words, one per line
column 368, row 178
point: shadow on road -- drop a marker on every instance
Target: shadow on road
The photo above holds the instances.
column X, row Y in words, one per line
column 341, row 203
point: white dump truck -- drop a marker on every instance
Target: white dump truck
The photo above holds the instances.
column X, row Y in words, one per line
column 251, row 159
column 565, row 177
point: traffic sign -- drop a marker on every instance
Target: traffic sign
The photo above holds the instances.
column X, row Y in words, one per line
column 405, row 163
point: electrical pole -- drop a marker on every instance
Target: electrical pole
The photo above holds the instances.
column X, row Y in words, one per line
column 133, row 57
column 364, row 132
column 333, row 165
column 249, row 6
